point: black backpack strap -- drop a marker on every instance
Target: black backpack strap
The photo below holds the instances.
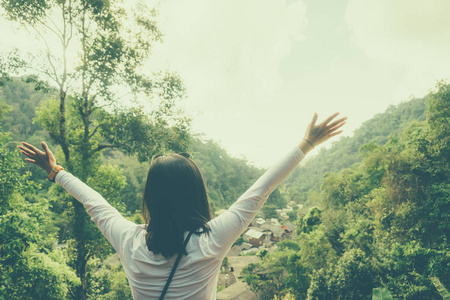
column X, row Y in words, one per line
column 166, row 287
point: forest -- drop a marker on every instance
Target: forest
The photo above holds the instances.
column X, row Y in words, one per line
column 380, row 218
column 376, row 205
column 382, row 221
column 37, row 215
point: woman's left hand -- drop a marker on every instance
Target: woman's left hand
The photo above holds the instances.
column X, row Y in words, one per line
column 46, row 160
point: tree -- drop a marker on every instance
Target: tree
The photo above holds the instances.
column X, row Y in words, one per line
column 292, row 215
column 267, row 279
column 269, row 211
column 310, row 221
column 111, row 44
column 383, row 222
column 31, row 267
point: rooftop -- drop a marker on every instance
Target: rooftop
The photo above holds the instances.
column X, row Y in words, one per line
column 252, row 233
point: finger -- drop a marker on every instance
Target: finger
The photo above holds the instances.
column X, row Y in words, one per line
column 314, row 119
column 337, row 127
column 335, row 133
column 33, row 148
column 44, row 145
column 327, row 120
column 337, row 122
column 27, row 154
column 26, row 150
column 30, row 160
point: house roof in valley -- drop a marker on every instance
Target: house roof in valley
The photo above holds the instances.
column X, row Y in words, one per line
column 260, row 221
column 275, row 229
column 236, row 291
column 252, row 233
column 289, row 226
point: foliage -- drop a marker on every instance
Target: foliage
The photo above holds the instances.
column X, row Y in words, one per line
column 227, row 178
column 288, row 296
column 310, row 221
column 85, row 115
column 269, row 211
column 266, row 280
column 107, row 280
column 239, row 241
column 31, row 268
column 381, row 294
column 383, row 221
column 344, row 153
column 288, row 244
column 292, row 215
column 441, row 289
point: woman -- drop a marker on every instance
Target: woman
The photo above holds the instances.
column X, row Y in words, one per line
column 176, row 209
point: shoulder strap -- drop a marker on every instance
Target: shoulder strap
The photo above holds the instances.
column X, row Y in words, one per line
column 166, row 287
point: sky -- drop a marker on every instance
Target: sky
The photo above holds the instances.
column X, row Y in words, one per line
column 257, row 70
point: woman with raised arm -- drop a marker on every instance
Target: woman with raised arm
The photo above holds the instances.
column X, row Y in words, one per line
column 179, row 234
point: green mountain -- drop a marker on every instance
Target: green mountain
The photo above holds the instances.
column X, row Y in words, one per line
column 345, row 152
column 227, row 177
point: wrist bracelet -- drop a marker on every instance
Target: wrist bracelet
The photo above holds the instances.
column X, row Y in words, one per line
column 309, row 142
column 53, row 172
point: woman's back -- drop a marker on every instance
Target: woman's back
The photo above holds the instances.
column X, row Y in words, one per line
column 147, row 273
column 196, row 275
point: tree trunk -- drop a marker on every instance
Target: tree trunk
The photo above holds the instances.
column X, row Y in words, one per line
column 82, row 252
column 62, row 124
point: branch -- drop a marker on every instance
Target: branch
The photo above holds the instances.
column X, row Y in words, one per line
column 54, row 24
column 69, row 81
column 110, row 104
column 118, row 145
column 101, row 147
column 70, row 22
column 124, row 95
column 48, row 55
column 43, row 72
column 52, row 30
column 94, row 131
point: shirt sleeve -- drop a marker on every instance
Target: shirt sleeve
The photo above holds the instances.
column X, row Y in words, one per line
column 227, row 227
column 107, row 218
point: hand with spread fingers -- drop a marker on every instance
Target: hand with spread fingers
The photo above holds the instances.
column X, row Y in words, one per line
column 44, row 159
column 317, row 134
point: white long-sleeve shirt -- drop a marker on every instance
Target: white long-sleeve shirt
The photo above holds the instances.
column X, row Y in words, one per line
column 196, row 275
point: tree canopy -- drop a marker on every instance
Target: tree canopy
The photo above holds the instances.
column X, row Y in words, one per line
column 383, row 221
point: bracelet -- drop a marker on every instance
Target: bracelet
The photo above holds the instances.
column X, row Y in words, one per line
column 309, row 142
column 53, row 172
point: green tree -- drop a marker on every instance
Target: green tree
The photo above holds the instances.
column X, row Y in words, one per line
column 31, row 267
column 269, row 211
column 112, row 43
column 267, row 279
column 292, row 215
column 310, row 221
column 382, row 222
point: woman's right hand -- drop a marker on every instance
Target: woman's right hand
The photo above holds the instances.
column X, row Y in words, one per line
column 45, row 160
column 317, row 134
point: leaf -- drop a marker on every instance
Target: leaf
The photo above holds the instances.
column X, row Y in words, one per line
column 440, row 288
column 381, row 294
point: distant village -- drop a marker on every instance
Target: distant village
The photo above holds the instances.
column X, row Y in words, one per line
column 261, row 234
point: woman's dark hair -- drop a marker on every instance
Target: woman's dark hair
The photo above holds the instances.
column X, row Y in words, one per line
column 174, row 202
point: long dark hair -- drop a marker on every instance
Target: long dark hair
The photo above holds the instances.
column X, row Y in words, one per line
column 174, row 202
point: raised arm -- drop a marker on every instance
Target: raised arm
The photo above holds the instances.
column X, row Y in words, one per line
column 107, row 218
column 227, row 227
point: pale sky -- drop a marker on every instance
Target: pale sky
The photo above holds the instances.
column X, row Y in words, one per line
column 257, row 70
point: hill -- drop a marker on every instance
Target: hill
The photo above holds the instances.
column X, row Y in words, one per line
column 227, row 177
column 345, row 152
